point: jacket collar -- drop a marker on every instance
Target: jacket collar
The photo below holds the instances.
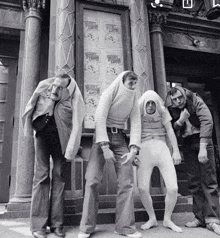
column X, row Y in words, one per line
column 71, row 86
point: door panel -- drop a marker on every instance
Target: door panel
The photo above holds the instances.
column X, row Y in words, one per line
column 7, row 101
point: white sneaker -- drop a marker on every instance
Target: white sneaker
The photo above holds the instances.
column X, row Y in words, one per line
column 83, row 235
column 136, row 234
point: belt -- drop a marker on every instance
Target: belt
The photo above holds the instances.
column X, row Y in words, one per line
column 114, row 130
column 151, row 137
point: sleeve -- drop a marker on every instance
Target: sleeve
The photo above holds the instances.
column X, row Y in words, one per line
column 166, row 117
column 101, row 116
column 205, row 118
column 27, row 116
column 175, row 114
column 135, row 130
column 78, row 113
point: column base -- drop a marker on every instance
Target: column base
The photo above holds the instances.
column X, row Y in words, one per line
column 18, row 207
column 19, row 199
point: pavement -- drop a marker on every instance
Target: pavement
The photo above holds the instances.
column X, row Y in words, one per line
column 20, row 228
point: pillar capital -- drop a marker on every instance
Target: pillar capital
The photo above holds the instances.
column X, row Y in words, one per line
column 157, row 20
column 33, row 5
column 157, row 17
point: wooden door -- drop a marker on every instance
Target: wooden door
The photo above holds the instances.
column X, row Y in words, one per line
column 8, row 69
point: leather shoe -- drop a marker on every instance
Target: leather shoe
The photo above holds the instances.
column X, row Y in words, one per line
column 58, row 231
column 39, row 234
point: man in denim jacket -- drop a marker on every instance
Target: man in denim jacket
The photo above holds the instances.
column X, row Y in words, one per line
column 192, row 121
column 55, row 112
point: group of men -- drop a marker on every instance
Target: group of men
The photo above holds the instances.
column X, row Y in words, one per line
column 55, row 114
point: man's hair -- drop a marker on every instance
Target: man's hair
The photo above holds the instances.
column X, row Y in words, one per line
column 173, row 91
column 131, row 74
column 64, row 76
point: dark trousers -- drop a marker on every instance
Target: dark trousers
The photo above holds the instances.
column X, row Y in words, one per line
column 47, row 195
column 202, row 180
column 125, row 221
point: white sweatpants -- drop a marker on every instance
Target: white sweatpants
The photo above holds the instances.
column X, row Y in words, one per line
column 153, row 153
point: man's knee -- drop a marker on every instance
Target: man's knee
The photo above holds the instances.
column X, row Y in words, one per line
column 143, row 188
column 92, row 181
column 172, row 190
column 41, row 178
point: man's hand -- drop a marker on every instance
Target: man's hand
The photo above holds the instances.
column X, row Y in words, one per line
column 130, row 156
column 176, row 157
column 202, row 156
column 108, row 154
column 184, row 115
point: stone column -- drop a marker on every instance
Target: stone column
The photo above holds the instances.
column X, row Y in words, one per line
column 65, row 38
column 30, row 78
column 141, row 50
column 65, row 63
column 157, row 19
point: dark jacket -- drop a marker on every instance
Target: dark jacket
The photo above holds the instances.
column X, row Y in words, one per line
column 200, row 115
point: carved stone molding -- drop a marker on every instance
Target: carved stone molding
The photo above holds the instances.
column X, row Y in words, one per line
column 65, row 37
column 182, row 41
column 140, row 44
column 157, row 17
column 11, row 19
column 33, row 4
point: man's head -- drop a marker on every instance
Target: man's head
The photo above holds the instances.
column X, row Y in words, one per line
column 130, row 80
column 177, row 98
column 150, row 107
column 61, row 81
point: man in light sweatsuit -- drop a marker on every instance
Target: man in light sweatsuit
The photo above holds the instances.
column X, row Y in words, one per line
column 117, row 104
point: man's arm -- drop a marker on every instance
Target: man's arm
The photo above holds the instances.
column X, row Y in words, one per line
column 78, row 113
column 135, row 133
column 101, row 115
column 184, row 115
column 135, row 129
column 205, row 118
column 100, row 122
column 206, row 125
column 170, row 133
column 27, row 116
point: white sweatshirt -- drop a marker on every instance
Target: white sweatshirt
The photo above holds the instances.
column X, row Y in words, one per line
column 116, row 105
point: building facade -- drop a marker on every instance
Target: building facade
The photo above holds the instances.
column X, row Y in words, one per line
column 93, row 41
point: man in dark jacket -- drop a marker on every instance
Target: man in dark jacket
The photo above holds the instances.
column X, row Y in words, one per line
column 55, row 113
column 192, row 121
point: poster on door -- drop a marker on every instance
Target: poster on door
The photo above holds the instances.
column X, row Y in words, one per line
column 103, row 57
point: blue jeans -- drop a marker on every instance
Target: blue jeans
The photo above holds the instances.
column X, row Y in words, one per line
column 47, row 196
column 202, row 181
column 125, row 221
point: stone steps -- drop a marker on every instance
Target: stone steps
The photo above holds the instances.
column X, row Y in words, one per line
column 106, row 213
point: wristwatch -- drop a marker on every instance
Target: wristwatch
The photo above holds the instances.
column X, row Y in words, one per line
column 104, row 144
